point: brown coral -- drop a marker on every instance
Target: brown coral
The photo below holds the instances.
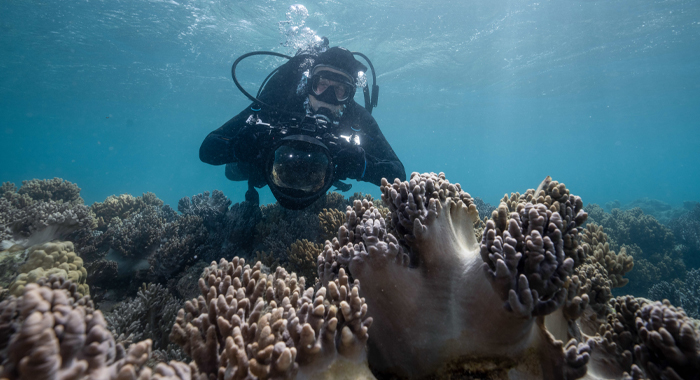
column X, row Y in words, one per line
column 616, row 265
column 55, row 189
column 246, row 325
column 647, row 339
column 122, row 207
column 53, row 333
column 330, row 220
column 422, row 274
column 44, row 260
column 303, row 256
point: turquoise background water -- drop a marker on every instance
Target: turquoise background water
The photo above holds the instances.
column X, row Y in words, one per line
column 117, row 96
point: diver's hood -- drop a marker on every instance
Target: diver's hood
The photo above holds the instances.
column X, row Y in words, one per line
column 299, row 170
column 341, row 59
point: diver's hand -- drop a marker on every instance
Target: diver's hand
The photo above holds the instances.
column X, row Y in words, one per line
column 342, row 186
column 246, row 146
column 350, row 162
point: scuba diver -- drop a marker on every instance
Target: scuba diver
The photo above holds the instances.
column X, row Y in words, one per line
column 304, row 132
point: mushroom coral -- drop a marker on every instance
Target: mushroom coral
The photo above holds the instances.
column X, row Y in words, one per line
column 441, row 300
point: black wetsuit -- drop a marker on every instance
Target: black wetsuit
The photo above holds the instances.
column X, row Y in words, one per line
column 281, row 92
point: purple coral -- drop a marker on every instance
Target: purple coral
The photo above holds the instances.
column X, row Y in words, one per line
column 420, row 271
column 527, row 265
column 211, row 209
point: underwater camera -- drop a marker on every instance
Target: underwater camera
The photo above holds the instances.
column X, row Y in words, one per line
column 299, row 157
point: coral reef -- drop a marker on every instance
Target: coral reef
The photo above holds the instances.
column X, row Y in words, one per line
column 485, row 209
column 58, row 259
column 10, row 261
column 280, row 227
column 51, row 332
column 138, row 235
column 651, row 244
column 181, row 245
column 302, row 256
column 150, row 315
column 438, row 297
column 644, row 339
column 212, row 209
column 144, row 240
column 248, row 325
column 661, row 211
column 685, row 294
column 330, row 221
column 686, row 229
column 56, row 189
column 30, row 221
column 615, row 265
column 122, row 207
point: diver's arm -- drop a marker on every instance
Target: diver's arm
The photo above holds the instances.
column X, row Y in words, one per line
column 218, row 146
column 381, row 160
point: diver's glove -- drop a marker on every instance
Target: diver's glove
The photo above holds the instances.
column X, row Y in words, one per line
column 350, row 163
column 246, row 144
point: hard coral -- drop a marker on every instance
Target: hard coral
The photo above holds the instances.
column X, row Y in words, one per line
column 179, row 246
column 302, row 256
column 58, row 259
column 150, row 315
column 138, row 235
column 211, row 209
column 616, row 265
column 56, row 189
column 50, row 332
column 246, row 325
column 651, row 244
column 422, row 275
column 329, row 221
column 30, row 221
column 122, row 207
column 686, row 228
column 684, row 294
column 648, row 340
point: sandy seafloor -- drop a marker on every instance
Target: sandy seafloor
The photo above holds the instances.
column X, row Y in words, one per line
column 116, row 97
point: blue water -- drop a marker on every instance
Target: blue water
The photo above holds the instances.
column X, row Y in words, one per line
column 117, row 96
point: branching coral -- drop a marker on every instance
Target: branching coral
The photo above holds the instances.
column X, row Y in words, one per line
column 246, row 325
column 302, row 256
column 240, row 221
column 58, row 259
column 33, row 221
column 648, row 340
column 150, row 315
column 330, row 221
column 651, row 244
column 485, row 209
column 122, row 207
column 279, row 227
column 180, row 243
column 50, row 332
column 56, row 189
column 616, row 265
column 686, row 229
column 425, row 287
column 211, row 209
column 138, row 235
column 683, row 294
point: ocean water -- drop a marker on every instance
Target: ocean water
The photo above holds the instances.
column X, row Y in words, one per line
column 604, row 96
